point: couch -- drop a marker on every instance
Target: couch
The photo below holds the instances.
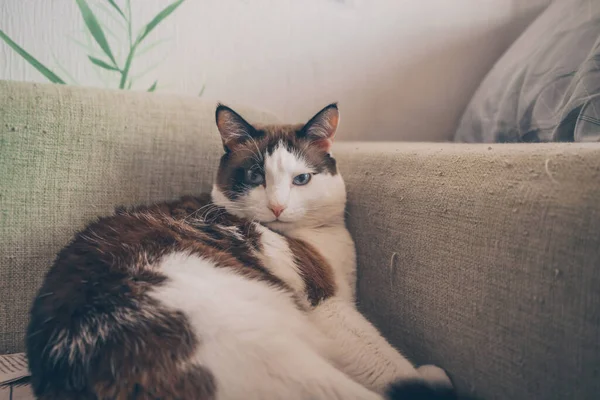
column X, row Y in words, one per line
column 481, row 258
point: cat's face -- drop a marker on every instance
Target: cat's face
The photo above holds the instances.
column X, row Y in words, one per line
column 283, row 176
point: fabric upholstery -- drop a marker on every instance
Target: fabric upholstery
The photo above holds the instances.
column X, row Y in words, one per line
column 546, row 87
column 484, row 260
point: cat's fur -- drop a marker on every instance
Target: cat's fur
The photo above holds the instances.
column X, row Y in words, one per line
column 222, row 299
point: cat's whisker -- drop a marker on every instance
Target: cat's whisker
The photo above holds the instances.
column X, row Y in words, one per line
column 260, row 158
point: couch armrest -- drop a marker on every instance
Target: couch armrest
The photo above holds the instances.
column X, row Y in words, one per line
column 484, row 260
column 69, row 154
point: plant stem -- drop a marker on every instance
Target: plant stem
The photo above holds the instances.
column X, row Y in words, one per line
column 125, row 71
column 132, row 48
column 129, row 23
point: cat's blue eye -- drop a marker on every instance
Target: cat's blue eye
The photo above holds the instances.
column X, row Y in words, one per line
column 302, row 179
column 254, row 177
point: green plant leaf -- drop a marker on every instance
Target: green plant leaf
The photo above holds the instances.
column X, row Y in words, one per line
column 202, row 90
column 103, row 64
column 116, row 7
column 52, row 77
column 69, row 80
column 109, row 12
column 107, row 30
column 94, row 27
column 151, row 46
column 158, row 19
column 88, row 49
column 153, row 87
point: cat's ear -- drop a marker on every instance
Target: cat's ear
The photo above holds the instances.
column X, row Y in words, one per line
column 322, row 127
column 233, row 128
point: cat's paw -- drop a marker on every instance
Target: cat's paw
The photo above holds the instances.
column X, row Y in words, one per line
column 434, row 384
column 418, row 389
column 435, row 376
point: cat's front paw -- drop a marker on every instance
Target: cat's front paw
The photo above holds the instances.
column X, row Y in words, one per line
column 435, row 376
column 434, row 384
column 419, row 389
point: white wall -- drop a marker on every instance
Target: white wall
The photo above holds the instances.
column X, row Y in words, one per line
column 400, row 69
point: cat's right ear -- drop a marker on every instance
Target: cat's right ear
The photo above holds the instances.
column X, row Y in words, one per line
column 322, row 127
column 233, row 128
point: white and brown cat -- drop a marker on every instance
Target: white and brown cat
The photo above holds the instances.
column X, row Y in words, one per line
column 248, row 295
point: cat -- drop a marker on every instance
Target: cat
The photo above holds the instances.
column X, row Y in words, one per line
column 247, row 293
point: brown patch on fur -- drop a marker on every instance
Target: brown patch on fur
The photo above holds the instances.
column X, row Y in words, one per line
column 96, row 333
column 316, row 272
column 160, row 370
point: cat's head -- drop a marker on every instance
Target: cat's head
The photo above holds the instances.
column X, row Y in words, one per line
column 281, row 175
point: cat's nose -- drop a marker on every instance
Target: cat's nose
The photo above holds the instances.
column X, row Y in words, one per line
column 277, row 209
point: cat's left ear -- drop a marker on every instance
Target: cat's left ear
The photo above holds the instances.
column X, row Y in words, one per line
column 233, row 128
column 322, row 127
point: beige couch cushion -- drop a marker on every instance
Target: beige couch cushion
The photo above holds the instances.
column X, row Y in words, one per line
column 484, row 259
